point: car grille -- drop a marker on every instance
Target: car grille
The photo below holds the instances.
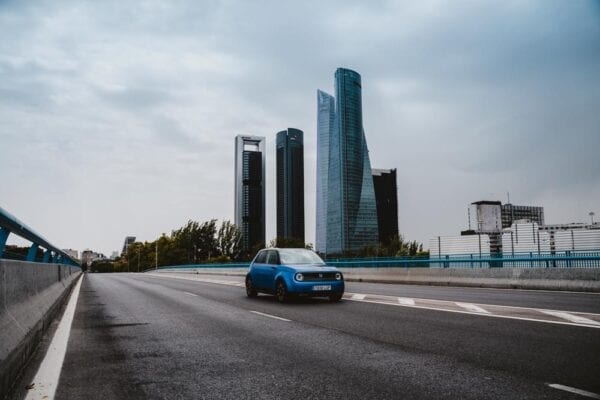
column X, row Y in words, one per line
column 319, row 276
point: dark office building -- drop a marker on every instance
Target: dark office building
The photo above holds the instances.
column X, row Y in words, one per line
column 386, row 201
column 250, row 189
column 511, row 213
column 290, row 184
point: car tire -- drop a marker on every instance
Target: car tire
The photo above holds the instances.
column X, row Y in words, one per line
column 334, row 298
column 281, row 293
column 250, row 291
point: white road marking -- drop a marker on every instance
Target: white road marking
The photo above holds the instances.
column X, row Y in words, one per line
column 406, row 301
column 472, row 308
column 190, row 294
column 574, row 390
column 571, row 317
column 271, row 316
column 46, row 379
column 358, row 297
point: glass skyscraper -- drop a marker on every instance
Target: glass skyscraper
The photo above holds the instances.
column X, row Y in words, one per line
column 250, row 189
column 350, row 210
column 290, row 184
column 325, row 124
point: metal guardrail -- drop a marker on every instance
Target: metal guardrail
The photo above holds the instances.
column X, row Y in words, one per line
column 9, row 224
column 567, row 259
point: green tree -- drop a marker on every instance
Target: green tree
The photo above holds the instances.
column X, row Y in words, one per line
column 229, row 239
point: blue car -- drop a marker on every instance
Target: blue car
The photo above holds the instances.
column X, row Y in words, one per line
column 293, row 272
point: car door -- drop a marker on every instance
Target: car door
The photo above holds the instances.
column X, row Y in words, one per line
column 258, row 270
column 271, row 269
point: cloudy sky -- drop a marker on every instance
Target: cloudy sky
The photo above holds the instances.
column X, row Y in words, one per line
column 118, row 118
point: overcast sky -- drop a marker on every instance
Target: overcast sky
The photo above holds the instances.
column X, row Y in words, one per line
column 118, row 118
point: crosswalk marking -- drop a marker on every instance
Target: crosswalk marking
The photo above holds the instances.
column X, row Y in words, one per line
column 571, row 317
column 472, row 308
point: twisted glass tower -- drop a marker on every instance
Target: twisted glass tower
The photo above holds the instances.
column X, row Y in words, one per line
column 350, row 211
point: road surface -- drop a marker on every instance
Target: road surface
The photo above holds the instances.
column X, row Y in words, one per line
column 141, row 336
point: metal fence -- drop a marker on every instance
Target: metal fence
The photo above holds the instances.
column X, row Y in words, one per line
column 10, row 225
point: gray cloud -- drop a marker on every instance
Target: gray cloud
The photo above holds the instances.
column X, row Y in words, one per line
column 119, row 117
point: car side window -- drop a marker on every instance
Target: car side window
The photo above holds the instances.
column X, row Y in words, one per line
column 272, row 257
column 261, row 258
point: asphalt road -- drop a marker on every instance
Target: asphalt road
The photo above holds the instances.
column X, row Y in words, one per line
column 136, row 336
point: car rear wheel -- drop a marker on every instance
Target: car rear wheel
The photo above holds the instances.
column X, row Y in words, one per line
column 335, row 297
column 281, row 292
column 250, row 291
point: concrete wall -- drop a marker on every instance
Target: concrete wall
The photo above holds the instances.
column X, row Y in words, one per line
column 30, row 296
column 572, row 279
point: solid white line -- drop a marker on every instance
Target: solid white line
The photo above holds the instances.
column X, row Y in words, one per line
column 570, row 317
column 190, row 294
column 358, row 296
column 46, row 379
column 472, row 308
column 271, row 316
column 406, row 301
column 574, row 390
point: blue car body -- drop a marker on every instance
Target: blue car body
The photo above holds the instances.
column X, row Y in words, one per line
column 268, row 272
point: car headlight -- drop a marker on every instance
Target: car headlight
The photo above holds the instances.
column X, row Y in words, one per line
column 338, row 276
column 299, row 277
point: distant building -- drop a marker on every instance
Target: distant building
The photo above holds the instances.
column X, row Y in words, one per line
column 351, row 214
column 386, row 201
column 129, row 240
column 485, row 216
column 89, row 256
column 114, row 255
column 325, row 126
column 512, row 213
column 290, row 184
column 250, row 189
column 74, row 254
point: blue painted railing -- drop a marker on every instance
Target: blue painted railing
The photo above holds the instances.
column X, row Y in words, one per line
column 565, row 259
column 10, row 225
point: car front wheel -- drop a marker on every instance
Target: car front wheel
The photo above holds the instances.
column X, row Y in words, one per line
column 250, row 291
column 281, row 292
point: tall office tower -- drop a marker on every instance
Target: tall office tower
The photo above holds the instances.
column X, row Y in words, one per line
column 351, row 211
column 325, row 124
column 386, row 200
column 290, row 184
column 250, row 189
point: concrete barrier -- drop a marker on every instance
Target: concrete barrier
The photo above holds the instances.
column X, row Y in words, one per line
column 568, row 279
column 30, row 296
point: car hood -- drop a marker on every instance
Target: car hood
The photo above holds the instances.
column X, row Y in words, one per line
column 310, row 268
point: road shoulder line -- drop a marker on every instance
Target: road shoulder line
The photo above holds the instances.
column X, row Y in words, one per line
column 47, row 377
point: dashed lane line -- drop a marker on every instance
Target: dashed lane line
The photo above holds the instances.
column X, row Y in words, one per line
column 271, row 316
column 358, row 296
column 46, row 379
column 190, row 294
column 570, row 389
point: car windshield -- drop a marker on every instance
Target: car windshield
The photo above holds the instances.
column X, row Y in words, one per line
column 299, row 256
